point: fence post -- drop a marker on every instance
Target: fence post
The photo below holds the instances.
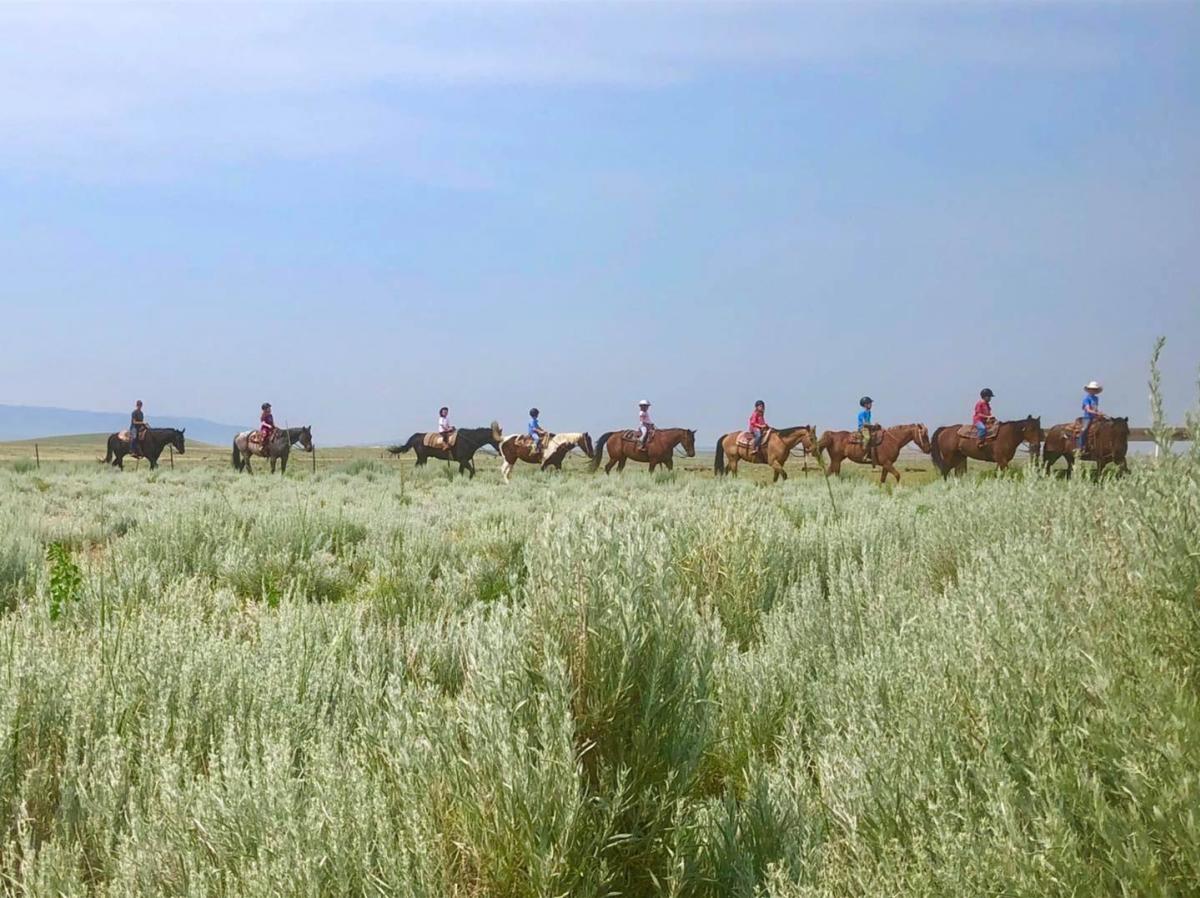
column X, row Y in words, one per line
column 314, row 459
column 37, row 456
column 171, row 450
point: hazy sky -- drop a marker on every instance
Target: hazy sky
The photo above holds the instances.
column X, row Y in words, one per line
column 360, row 213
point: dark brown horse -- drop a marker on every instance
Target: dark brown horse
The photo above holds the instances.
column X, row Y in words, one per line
column 469, row 441
column 154, row 440
column 892, row 439
column 776, row 447
column 950, row 451
column 623, row 446
column 1107, row 443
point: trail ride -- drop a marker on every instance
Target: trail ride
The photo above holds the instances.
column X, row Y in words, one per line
column 884, row 448
column 776, row 446
column 276, row 448
column 625, row 446
column 460, row 446
column 556, row 447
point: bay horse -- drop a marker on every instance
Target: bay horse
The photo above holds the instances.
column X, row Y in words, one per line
column 950, row 451
column 776, row 447
column 278, row 448
column 1107, row 443
column 840, row 447
column 469, row 441
column 154, row 440
column 555, row 447
column 660, row 448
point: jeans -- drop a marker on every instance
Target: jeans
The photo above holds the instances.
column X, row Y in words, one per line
column 981, row 429
column 758, row 435
column 1081, row 440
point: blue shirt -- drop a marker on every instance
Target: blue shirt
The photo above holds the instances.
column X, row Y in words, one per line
column 1091, row 405
column 534, row 427
column 864, row 418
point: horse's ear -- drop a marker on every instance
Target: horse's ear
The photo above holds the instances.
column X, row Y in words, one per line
column 182, row 429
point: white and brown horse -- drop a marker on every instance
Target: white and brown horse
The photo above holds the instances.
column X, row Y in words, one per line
column 278, row 447
column 555, row 447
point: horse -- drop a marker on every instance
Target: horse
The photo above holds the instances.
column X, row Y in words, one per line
column 469, row 441
column 555, row 447
column 892, row 440
column 1107, row 443
column 950, row 451
column 623, row 446
column 776, row 447
column 151, row 445
column 279, row 446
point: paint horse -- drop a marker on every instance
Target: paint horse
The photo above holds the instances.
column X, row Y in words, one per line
column 555, row 447
column 276, row 449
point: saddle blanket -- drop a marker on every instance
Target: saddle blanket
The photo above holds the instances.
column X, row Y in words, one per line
column 634, row 436
column 876, row 435
column 433, row 440
column 968, row 432
column 525, row 441
column 745, row 439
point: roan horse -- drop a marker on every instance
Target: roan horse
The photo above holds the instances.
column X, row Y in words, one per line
column 1107, row 443
column 154, row 440
column 840, row 446
column 950, row 451
column 279, row 447
column 469, row 441
column 776, row 447
column 555, row 447
column 660, row 448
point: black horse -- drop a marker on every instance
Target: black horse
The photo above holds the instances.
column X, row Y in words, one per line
column 469, row 441
column 154, row 440
column 278, row 448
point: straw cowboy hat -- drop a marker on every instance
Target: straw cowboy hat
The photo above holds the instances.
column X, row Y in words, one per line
column 1094, row 385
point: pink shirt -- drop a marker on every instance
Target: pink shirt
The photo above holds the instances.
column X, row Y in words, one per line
column 644, row 416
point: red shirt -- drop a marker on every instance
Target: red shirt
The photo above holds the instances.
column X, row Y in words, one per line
column 758, row 421
column 983, row 411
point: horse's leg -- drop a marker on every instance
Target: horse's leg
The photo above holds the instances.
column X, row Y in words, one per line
column 670, row 463
column 621, row 465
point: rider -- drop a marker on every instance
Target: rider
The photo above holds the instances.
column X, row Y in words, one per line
column 444, row 426
column 645, row 425
column 266, row 424
column 758, row 423
column 1091, row 411
column 535, row 430
column 983, row 414
column 137, row 423
column 864, row 427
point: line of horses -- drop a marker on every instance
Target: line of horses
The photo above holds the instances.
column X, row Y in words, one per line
column 949, row 447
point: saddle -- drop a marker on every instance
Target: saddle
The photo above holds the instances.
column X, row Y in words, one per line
column 433, row 440
column 968, row 432
column 255, row 444
column 525, row 441
column 125, row 437
column 745, row 439
column 634, row 436
column 876, row 435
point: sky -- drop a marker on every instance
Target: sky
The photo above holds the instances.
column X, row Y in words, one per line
column 362, row 212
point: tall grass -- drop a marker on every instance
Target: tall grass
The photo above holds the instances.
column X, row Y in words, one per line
column 356, row 686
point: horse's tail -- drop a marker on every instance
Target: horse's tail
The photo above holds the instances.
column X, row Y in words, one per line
column 935, row 450
column 108, row 455
column 719, row 459
column 823, row 443
column 404, row 447
column 237, row 456
column 598, row 456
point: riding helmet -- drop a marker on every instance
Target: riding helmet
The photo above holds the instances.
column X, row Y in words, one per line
column 533, row 413
column 865, row 401
column 443, row 410
column 644, row 402
column 266, row 405
column 986, row 393
column 758, row 402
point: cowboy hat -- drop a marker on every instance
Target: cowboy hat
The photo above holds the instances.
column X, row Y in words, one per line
column 1094, row 385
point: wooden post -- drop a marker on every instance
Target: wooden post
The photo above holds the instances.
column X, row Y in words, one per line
column 314, row 459
column 37, row 456
column 171, row 450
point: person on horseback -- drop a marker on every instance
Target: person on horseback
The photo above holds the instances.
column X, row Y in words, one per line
column 758, row 424
column 1091, row 412
column 445, row 428
column 864, row 427
column 266, row 425
column 535, row 430
column 137, row 424
column 983, row 414
column 645, row 425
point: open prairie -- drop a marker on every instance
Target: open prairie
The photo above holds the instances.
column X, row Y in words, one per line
column 378, row 680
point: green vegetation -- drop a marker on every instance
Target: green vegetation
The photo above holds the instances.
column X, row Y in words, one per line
column 376, row 681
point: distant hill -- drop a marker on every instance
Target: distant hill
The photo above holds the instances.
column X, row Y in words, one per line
column 26, row 422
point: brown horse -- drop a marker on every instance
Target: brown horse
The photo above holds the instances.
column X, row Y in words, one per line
column 839, row 446
column 950, row 451
column 623, row 446
column 776, row 447
column 555, row 447
column 1107, row 443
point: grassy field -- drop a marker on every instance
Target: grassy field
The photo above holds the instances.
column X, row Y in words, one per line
column 371, row 680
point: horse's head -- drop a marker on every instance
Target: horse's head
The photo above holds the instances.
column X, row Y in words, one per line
column 1031, row 432
column 585, row 443
column 689, row 443
column 807, row 433
column 921, row 436
column 304, row 438
column 177, row 440
column 1120, row 427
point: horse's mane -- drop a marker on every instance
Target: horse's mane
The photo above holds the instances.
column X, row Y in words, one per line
column 1018, row 421
column 561, row 439
column 788, row 431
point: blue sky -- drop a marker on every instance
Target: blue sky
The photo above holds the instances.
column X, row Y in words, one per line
column 361, row 213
